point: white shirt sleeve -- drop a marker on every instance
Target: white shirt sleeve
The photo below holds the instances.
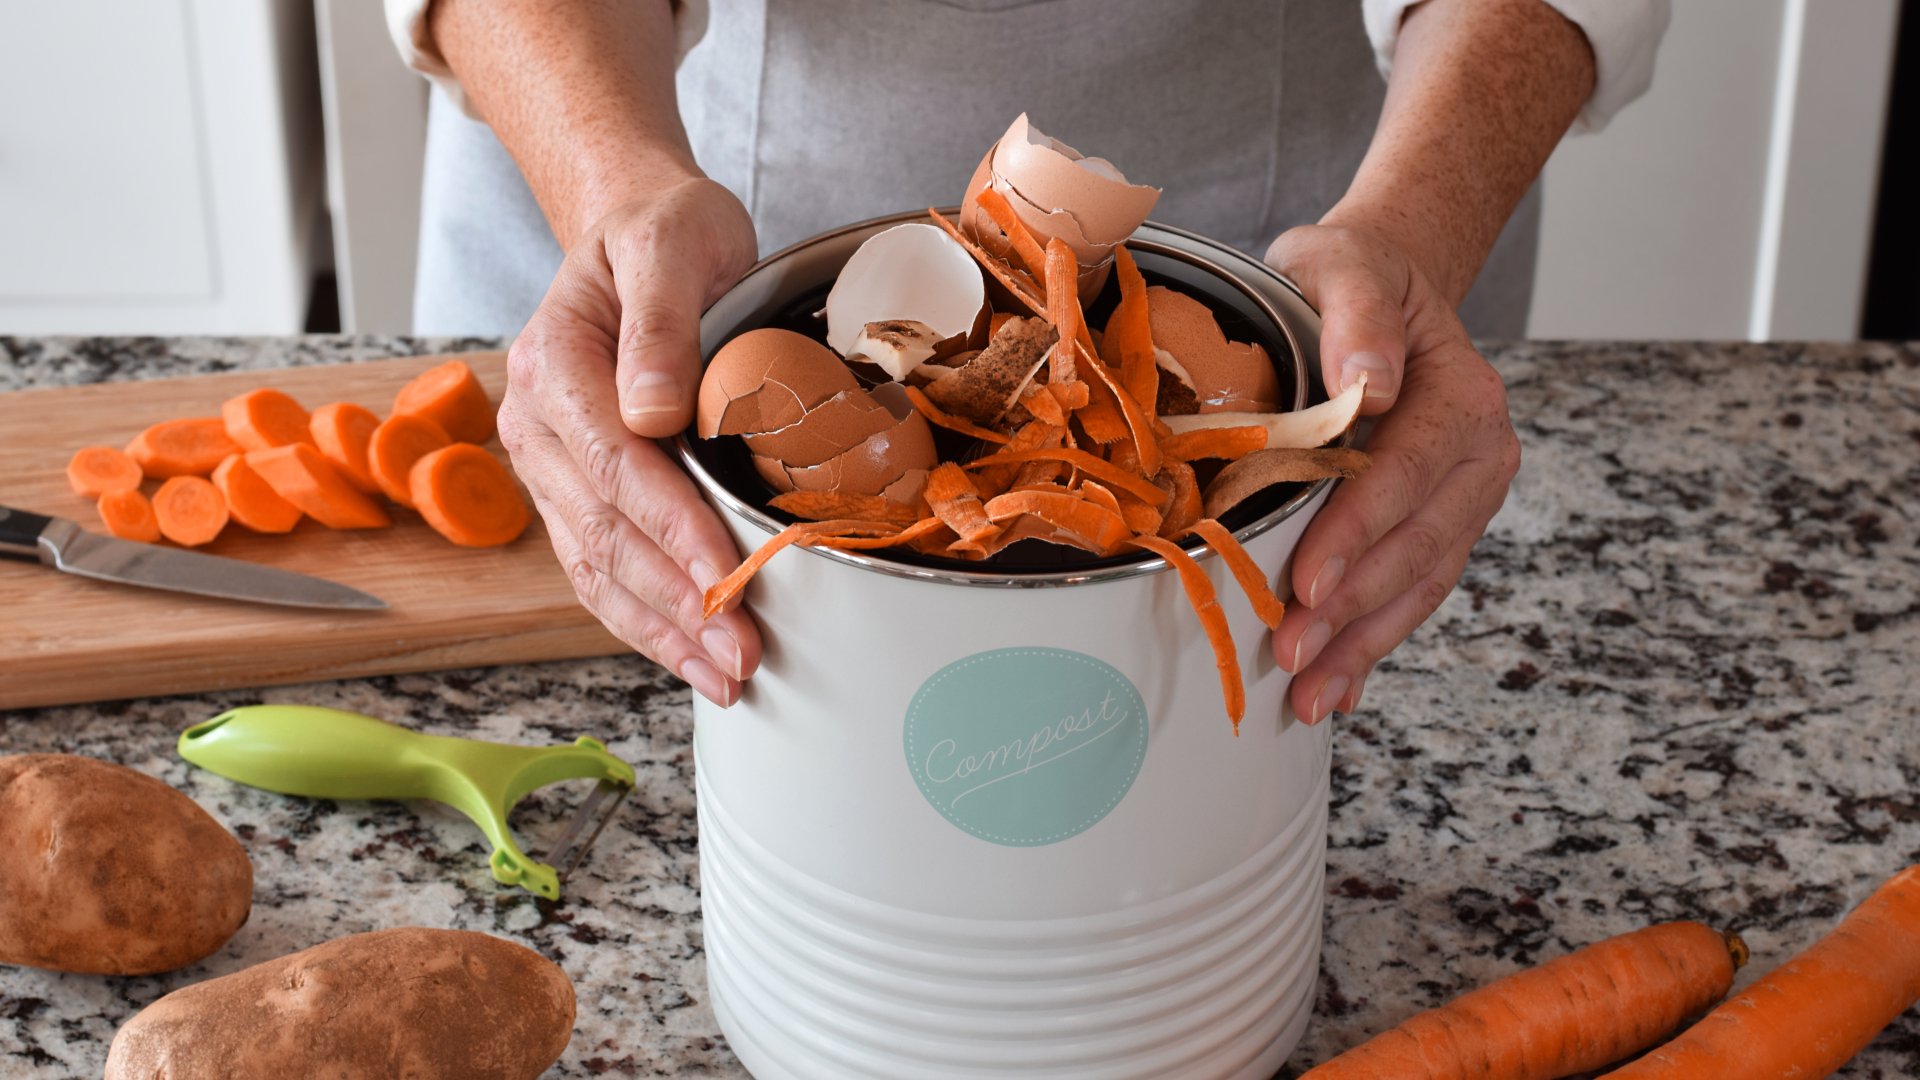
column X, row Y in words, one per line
column 1624, row 35
column 407, row 24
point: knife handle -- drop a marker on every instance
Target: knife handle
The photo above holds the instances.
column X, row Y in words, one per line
column 20, row 532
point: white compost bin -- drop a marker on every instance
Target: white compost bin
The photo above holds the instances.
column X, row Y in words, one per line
column 971, row 823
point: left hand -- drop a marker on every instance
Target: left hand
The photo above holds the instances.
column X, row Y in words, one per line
column 1389, row 546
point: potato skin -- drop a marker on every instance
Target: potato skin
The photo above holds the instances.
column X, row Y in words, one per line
column 111, row 872
column 405, row 1004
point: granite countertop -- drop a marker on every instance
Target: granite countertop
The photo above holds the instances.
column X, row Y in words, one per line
column 1674, row 683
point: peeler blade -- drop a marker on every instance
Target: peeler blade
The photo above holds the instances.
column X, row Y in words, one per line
column 599, row 808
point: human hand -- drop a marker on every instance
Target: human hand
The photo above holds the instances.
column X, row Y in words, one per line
column 609, row 363
column 1388, row 546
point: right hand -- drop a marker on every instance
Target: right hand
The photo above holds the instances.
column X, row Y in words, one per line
column 609, row 363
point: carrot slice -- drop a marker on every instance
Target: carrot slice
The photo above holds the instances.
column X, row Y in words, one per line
column 304, row 477
column 101, row 470
column 1574, row 1013
column 1017, row 283
column 829, row 505
column 1104, row 471
column 342, row 431
column 1024, row 245
column 129, row 516
column 469, row 497
column 189, row 510
column 189, row 447
column 394, row 446
column 1253, row 580
column 1229, row 443
column 251, row 500
column 265, row 418
column 1226, row 659
column 941, row 418
column 449, row 395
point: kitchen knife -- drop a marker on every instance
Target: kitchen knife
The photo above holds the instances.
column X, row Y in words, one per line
column 61, row 544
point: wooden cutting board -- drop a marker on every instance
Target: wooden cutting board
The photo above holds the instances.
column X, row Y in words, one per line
column 66, row 639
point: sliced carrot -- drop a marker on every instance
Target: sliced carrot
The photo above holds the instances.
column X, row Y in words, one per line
column 469, row 497
column 1253, row 580
column 1104, row 471
column 1185, row 508
column 1017, row 283
column 1576, row 1013
column 101, row 470
column 190, row 510
column 1024, row 245
column 251, row 500
column 1199, row 588
column 828, row 505
column 1229, row 443
column 1808, row 1016
column 941, row 418
column 394, row 446
column 449, row 395
column 265, row 418
column 726, row 588
column 304, row 477
column 342, row 431
column 129, row 515
column 189, row 447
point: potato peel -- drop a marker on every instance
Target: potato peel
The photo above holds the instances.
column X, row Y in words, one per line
column 1303, row 429
column 1264, row 468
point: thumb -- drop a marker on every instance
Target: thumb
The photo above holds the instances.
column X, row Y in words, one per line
column 1363, row 324
column 657, row 365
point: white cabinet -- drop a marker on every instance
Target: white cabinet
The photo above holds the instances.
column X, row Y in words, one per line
column 160, row 167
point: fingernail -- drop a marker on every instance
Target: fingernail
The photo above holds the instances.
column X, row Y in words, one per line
column 1379, row 373
column 1310, row 644
column 1326, row 580
column 651, row 392
column 703, row 677
column 724, row 650
column 1358, row 691
column 704, row 577
column 1330, row 693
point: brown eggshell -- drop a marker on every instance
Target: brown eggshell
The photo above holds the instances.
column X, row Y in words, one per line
column 1226, row 376
column 774, row 473
column 410, row 1002
column 765, row 380
column 876, row 464
column 907, row 489
column 111, row 872
column 975, row 221
column 1052, row 177
column 844, row 420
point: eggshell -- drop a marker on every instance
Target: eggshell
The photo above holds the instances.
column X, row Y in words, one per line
column 842, row 421
column 909, row 273
column 1226, row 376
column 1052, row 176
column 896, row 347
column 765, row 380
column 879, row 461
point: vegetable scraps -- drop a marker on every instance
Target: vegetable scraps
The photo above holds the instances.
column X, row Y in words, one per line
column 1103, row 445
column 266, row 462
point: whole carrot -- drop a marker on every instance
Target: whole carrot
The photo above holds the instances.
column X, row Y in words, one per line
column 1805, row 1018
column 1572, row 1014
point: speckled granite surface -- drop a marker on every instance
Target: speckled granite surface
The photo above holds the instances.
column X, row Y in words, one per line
column 1675, row 683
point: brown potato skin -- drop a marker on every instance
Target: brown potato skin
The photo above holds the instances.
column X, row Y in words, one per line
column 411, row 1003
column 111, row 872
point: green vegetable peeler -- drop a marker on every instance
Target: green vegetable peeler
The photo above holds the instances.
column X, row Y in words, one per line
column 330, row 754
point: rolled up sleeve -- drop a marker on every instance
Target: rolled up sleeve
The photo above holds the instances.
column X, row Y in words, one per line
column 1624, row 35
column 407, row 25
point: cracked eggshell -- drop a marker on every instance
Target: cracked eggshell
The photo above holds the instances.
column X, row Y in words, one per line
column 1054, row 179
column 1226, row 376
column 766, row 380
column 844, row 420
column 909, row 273
column 879, row 462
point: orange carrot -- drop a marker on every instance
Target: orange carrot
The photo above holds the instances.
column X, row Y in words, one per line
column 1102, row 530
column 1229, row 443
column 304, row 477
column 1032, row 256
column 1020, row 285
column 941, row 418
column 1206, row 605
column 1139, row 421
column 129, row 516
column 251, row 500
column 342, row 431
column 1808, row 1016
column 265, row 418
column 190, row 447
column 1186, row 506
column 827, row 505
column 394, row 446
column 1104, row 471
column 190, row 510
column 101, row 470
column 449, row 395
column 1130, row 333
column 956, row 502
column 469, row 497
column 1571, row 1014
column 1252, row 579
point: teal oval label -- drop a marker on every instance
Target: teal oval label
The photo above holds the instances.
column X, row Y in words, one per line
column 1026, row 746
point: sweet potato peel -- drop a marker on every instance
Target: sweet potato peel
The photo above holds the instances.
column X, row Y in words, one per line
column 1206, row 605
column 1264, row 468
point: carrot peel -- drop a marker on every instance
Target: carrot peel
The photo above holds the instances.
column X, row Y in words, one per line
column 1253, row 580
column 1206, row 605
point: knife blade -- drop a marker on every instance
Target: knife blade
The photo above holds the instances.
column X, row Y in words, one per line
column 65, row 546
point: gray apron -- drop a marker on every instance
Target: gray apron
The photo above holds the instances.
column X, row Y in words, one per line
column 1251, row 114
